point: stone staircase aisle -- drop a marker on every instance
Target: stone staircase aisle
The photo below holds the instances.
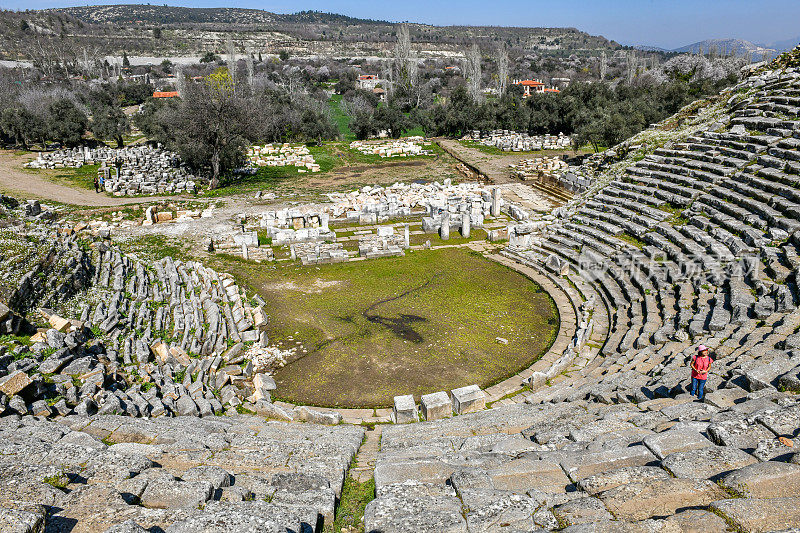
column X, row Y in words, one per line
column 367, row 455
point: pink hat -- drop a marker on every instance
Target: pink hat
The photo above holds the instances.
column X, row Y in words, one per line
column 701, row 348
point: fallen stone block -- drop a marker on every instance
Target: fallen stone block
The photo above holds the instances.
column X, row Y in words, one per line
column 14, row 383
column 306, row 414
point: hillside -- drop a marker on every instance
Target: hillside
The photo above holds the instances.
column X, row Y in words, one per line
column 173, row 15
column 181, row 31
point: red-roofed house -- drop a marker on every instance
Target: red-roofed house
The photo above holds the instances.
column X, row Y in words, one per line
column 530, row 86
column 165, row 94
column 368, row 82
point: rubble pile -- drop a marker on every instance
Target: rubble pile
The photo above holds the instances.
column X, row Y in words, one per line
column 408, row 147
column 294, row 225
column 129, row 171
column 383, row 243
column 511, row 141
column 283, row 155
column 537, row 168
column 374, row 204
column 317, row 253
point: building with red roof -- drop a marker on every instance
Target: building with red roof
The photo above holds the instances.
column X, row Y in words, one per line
column 534, row 86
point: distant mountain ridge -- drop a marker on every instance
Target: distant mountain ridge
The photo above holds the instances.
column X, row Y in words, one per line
column 736, row 46
column 172, row 15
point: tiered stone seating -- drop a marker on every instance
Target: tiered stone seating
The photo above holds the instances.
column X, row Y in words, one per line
column 708, row 211
column 176, row 474
column 662, row 465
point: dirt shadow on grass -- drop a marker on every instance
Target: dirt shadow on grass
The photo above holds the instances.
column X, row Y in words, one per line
column 403, row 325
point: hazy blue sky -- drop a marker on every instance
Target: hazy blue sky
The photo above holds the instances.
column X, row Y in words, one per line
column 666, row 23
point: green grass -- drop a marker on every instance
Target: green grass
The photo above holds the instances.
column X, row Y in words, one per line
column 630, row 239
column 81, row 178
column 350, row 512
column 416, row 131
column 455, row 238
column 11, row 340
column 264, row 178
column 58, row 481
column 341, row 118
column 676, row 218
column 405, row 325
column 155, row 247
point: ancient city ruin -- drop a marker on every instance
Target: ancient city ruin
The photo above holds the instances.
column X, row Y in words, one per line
column 327, row 321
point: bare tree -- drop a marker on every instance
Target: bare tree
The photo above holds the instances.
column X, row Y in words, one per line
column 603, row 66
column 180, row 80
column 502, row 69
column 406, row 65
column 632, row 65
column 472, row 70
column 249, row 59
column 231, row 60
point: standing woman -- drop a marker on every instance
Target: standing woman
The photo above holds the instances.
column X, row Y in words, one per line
column 701, row 363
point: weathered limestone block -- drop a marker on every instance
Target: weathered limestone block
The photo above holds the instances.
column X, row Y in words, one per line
column 468, row 399
column 659, row 497
column 489, row 509
column 632, row 474
column 436, row 405
column 758, row 515
column 404, row 410
column 165, row 493
column 675, row 440
column 306, row 414
column 582, row 511
column 694, row 520
column 706, row 463
column 579, row 466
column 394, row 471
column 14, row 383
column 770, row 479
column 23, row 521
column 522, row 475
column 417, row 507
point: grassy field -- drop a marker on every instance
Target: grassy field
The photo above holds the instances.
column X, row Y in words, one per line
column 330, row 156
column 80, row 178
column 342, row 120
column 367, row 331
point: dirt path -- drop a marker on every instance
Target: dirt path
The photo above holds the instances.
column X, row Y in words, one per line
column 494, row 167
column 15, row 181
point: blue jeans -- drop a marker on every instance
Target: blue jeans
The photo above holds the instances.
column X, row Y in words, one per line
column 698, row 385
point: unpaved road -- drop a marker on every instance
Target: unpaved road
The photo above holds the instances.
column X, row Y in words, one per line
column 15, row 181
column 494, row 167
